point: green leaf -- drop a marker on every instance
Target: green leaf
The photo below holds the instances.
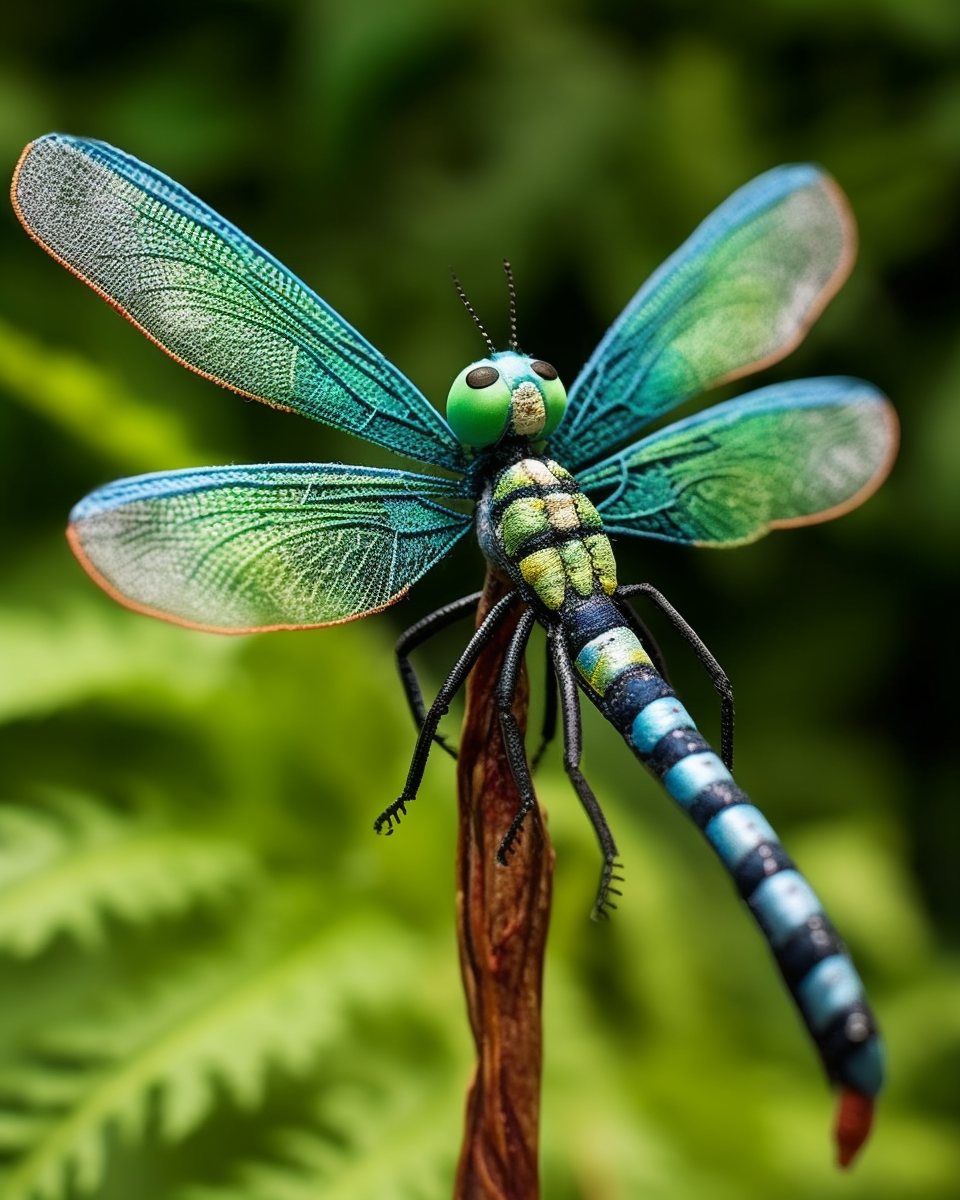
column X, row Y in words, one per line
column 67, row 869
column 92, row 404
column 87, row 649
column 220, row 1025
column 388, row 1137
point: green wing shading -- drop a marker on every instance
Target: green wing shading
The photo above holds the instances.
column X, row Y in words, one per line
column 284, row 546
column 791, row 454
column 740, row 293
column 213, row 299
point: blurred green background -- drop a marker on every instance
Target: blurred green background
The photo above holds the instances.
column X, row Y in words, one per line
column 217, row 983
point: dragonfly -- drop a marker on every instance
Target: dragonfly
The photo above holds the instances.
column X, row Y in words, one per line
column 551, row 477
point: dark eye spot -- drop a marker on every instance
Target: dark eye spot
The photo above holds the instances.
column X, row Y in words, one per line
column 481, row 377
column 544, row 370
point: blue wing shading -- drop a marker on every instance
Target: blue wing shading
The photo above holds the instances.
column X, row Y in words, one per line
column 790, row 454
column 213, row 299
column 282, row 546
column 739, row 294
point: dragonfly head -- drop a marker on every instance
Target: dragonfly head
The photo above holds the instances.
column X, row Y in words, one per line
column 507, row 393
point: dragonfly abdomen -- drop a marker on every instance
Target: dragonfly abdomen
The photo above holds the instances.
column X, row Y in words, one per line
column 618, row 676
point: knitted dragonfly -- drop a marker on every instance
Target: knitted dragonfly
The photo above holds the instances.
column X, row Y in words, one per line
column 299, row 545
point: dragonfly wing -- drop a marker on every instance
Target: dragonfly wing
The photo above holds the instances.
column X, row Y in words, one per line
column 791, row 454
column 284, row 546
column 213, row 299
column 739, row 294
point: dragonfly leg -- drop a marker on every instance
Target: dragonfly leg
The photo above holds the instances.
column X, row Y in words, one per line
column 718, row 677
column 572, row 751
column 548, row 729
column 415, row 636
column 512, row 737
column 451, row 685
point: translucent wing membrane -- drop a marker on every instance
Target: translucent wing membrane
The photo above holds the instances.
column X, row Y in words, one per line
column 213, row 299
column 240, row 549
column 791, row 454
column 739, row 294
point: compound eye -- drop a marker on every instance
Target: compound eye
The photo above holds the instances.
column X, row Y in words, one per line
column 481, row 377
column 544, row 369
column 478, row 405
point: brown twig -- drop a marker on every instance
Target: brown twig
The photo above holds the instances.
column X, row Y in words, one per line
column 502, row 919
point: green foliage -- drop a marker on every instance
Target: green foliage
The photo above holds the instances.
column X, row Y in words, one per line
column 223, row 1021
column 201, row 1028
column 385, row 1138
column 216, row 982
column 67, row 870
column 91, row 403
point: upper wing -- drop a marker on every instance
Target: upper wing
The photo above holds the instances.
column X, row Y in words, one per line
column 242, row 549
column 791, row 454
column 213, row 299
column 740, row 293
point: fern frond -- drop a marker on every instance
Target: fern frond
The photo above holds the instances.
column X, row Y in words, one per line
column 19, row 1129
column 389, row 1138
column 68, row 867
column 223, row 1025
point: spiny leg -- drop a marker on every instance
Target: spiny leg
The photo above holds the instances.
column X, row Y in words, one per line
column 718, row 677
column 415, row 636
column 548, row 729
column 572, row 750
column 451, row 685
column 512, row 737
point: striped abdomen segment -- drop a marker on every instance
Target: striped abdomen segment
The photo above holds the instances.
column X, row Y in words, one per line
column 811, row 957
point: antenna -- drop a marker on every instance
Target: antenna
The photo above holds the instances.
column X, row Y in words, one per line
column 470, row 309
column 508, row 271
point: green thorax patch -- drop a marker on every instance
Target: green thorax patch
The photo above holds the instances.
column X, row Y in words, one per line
column 550, row 532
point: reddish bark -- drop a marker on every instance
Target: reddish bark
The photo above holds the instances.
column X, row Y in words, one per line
column 502, row 919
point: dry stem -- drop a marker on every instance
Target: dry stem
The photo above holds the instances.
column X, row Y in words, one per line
column 502, row 919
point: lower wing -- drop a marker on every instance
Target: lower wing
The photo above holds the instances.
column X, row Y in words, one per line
column 790, row 454
column 248, row 549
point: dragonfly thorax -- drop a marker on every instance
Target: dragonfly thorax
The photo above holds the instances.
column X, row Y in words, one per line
column 507, row 394
column 537, row 525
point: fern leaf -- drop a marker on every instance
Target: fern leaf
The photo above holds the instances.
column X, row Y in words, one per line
column 67, row 868
column 224, row 1024
column 38, row 1087
column 19, row 1129
column 393, row 1138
